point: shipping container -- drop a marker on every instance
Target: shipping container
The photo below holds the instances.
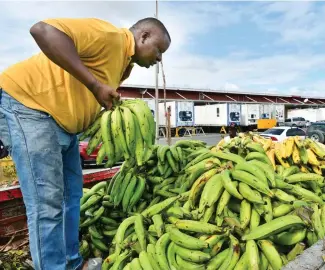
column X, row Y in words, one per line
column 250, row 113
column 217, row 114
column 181, row 114
column 279, row 113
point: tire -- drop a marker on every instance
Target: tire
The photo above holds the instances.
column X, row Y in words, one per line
column 317, row 136
column 181, row 132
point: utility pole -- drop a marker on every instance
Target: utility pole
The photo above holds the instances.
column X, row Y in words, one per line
column 157, row 91
column 169, row 135
column 167, row 113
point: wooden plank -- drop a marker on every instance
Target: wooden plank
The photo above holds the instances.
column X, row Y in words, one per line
column 11, row 193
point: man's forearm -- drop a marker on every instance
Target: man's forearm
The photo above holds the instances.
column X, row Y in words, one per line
column 61, row 50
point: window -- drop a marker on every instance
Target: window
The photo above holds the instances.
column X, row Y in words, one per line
column 317, row 127
column 295, row 132
column 273, row 131
column 218, row 112
column 298, row 119
column 287, row 120
column 322, row 127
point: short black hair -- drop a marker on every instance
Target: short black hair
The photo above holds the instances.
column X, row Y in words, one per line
column 153, row 21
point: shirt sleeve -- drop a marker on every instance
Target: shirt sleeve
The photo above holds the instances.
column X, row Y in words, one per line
column 92, row 37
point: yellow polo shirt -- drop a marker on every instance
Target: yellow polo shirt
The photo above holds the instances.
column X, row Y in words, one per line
column 40, row 84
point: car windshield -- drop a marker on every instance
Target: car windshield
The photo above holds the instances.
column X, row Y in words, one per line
column 273, row 131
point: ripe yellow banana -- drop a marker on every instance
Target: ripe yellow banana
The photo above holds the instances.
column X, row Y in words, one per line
column 280, row 153
column 267, row 144
column 317, row 169
column 312, row 159
column 295, row 155
column 319, row 151
column 289, row 147
column 282, row 147
column 271, row 155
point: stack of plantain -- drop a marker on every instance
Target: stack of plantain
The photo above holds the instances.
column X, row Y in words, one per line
column 249, row 203
column 127, row 131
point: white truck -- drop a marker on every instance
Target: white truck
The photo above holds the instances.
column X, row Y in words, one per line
column 311, row 115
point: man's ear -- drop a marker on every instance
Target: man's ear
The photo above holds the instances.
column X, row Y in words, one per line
column 145, row 35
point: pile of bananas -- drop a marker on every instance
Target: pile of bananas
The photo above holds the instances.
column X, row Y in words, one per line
column 15, row 259
column 126, row 131
column 9, row 171
column 249, row 203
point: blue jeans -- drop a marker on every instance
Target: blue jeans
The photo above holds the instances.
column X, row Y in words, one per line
column 50, row 176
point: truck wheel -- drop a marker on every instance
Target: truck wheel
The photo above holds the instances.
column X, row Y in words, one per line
column 181, row 132
column 317, row 136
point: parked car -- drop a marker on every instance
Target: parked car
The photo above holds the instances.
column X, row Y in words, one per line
column 281, row 133
column 316, row 131
column 295, row 122
column 85, row 158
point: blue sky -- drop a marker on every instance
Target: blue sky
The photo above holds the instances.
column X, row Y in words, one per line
column 233, row 46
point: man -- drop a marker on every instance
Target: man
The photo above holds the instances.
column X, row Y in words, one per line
column 232, row 130
column 48, row 99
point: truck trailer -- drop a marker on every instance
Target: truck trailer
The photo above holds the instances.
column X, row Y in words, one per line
column 311, row 115
column 181, row 113
column 217, row 114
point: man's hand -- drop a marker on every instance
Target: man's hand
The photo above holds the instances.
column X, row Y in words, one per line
column 104, row 95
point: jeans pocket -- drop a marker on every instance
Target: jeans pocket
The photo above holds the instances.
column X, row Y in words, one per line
column 24, row 112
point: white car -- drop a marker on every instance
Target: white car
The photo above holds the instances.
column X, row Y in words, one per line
column 281, row 133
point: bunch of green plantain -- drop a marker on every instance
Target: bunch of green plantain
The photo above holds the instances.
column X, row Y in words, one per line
column 127, row 131
column 189, row 206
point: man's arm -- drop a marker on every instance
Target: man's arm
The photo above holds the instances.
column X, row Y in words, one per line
column 61, row 50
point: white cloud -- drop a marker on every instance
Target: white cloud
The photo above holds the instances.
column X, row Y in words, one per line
column 293, row 21
column 240, row 70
